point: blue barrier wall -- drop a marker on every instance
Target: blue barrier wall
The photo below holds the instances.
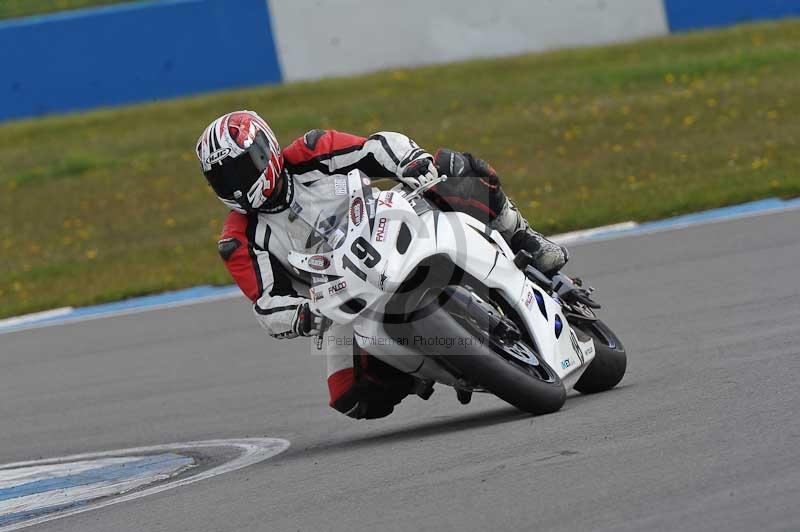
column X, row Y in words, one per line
column 160, row 49
column 695, row 14
column 133, row 53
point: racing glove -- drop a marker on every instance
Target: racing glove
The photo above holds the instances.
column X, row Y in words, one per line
column 463, row 164
column 306, row 322
column 419, row 171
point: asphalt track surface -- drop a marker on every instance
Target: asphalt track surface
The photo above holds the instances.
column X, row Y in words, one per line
column 702, row 434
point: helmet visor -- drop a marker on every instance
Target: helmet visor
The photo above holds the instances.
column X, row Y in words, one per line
column 239, row 174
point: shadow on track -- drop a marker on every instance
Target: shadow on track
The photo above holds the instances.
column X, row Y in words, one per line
column 449, row 424
column 431, row 428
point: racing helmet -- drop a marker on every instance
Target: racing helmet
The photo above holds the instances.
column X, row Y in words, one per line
column 242, row 161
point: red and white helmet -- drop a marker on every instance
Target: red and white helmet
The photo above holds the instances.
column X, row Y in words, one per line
column 241, row 160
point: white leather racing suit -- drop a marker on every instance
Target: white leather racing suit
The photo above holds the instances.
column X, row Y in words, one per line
column 255, row 247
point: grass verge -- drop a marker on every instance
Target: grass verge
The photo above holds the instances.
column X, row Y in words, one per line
column 10, row 9
column 111, row 204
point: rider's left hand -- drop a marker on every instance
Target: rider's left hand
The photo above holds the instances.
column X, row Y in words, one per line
column 419, row 172
column 306, row 322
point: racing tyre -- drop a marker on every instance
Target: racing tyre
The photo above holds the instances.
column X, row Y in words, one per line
column 610, row 360
column 510, row 369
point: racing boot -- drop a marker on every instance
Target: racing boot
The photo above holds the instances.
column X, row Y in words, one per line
column 488, row 194
column 548, row 257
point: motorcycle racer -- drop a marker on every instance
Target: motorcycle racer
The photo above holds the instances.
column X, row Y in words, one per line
column 268, row 189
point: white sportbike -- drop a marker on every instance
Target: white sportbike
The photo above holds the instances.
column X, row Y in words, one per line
column 441, row 296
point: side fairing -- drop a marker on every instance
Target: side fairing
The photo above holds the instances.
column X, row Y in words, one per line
column 484, row 254
column 371, row 260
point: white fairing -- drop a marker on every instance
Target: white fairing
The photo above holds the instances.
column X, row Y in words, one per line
column 373, row 275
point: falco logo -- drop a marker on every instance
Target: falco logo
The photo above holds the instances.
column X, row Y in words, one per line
column 319, row 262
column 217, row 156
column 380, row 230
column 338, row 287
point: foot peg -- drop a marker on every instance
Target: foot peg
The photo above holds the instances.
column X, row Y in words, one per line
column 423, row 389
column 464, row 396
column 523, row 259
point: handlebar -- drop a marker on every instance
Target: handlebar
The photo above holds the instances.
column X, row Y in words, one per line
column 426, row 187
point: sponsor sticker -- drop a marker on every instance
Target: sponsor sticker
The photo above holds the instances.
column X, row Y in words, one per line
column 386, row 201
column 316, row 295
column 529, row 299
column 218, row 156
column 336, row 288
column 576, row 346
column 380, row 230
column 340, row 186
column 565, row 363
column 319, row 262
column 357, row 211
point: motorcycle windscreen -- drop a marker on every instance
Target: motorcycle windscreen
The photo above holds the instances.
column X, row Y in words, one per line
column 327, row 228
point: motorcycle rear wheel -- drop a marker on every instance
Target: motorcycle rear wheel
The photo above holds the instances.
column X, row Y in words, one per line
column 490, row 363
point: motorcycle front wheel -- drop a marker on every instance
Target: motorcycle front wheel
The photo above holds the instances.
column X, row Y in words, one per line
column 610, row 359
